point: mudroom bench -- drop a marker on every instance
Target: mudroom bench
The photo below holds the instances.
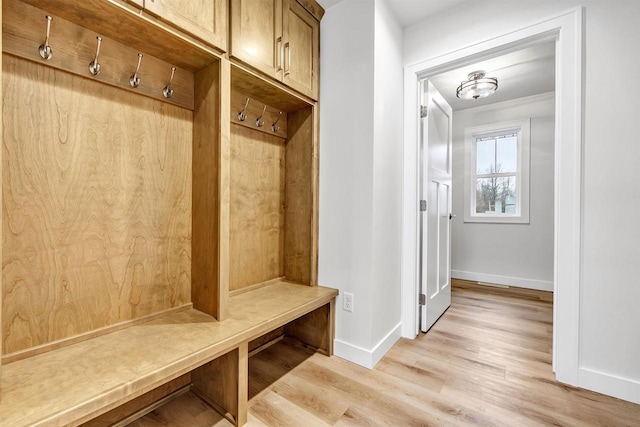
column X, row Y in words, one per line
column 81, row 382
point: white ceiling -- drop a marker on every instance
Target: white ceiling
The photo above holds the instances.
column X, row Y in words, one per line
column 525, row 72
column 410, row 12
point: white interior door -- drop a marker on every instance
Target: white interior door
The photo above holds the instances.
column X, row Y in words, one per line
column 435, row 218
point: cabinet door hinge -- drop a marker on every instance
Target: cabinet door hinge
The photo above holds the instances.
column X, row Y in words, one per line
column 423, row 205
column 423, row 111
column 422, row 299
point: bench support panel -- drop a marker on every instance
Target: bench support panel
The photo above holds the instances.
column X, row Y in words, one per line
column 315, row 329
column 224, row 384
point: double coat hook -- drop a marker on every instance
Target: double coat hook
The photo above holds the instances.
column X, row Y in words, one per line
column 44, row 49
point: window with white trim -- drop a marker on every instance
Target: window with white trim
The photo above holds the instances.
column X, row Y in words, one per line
column 497, row 172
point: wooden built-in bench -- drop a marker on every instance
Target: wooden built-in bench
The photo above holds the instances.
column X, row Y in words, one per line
column 77, row 383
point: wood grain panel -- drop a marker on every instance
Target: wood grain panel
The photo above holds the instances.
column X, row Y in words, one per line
column 121, row 412
column 298, row 197
column 74, row 47
column 224, row 190
column 133, row 29
column 223, row 384
column 53, row 345
column 186, row 410
column 97, row 205
column 315, row 195
column 302, row 49
column 268, row 91
column 314, row 329
column 206, row 147
column 264, row 339
column 256, row 286
column 256, row 230
column 205, row 19
column 1, row 239
column 255, row 26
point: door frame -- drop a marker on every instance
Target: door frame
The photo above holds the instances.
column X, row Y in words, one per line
column 567, row 30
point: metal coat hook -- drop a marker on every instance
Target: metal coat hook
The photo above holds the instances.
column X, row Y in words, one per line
column 273, row 126
column 241, row 116
column 94, row 66
column 259, row 122
column 167, row 91
column 134, row 80
column 45, row 49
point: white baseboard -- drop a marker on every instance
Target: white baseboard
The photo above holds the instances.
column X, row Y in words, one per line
column 519, row 282
column 611, row 385
column 367, row 358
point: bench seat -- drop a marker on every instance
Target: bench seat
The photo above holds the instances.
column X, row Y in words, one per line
column 73, row 384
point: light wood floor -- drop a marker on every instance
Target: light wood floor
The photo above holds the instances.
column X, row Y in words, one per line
column 486, row 362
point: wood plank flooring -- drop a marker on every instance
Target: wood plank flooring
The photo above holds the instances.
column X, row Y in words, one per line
column 486, row 362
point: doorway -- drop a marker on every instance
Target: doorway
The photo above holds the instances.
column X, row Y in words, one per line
column 567, row 174
column 500, row 168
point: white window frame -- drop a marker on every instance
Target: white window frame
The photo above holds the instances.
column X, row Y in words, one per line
column 523, row 130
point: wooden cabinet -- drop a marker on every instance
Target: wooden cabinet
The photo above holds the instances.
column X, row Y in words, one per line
column 256, row 34
column 204, row 19
column 301, row 49
column 279, row 38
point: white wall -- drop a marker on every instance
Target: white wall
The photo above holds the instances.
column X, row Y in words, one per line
column 387, row 179
column 609, row 289
column 346, row 163
column 360, row 174
column 524, row 256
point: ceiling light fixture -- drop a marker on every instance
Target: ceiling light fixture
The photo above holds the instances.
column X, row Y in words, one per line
column 478, row 86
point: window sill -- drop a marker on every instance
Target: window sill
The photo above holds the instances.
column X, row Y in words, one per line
column 490, row 219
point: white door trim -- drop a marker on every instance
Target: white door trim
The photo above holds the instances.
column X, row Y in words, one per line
column 567, row 29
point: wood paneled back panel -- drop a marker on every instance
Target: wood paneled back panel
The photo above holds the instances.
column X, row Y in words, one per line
column 206, row 221
column 256, row 208
column 298, row 197
column 97, row 205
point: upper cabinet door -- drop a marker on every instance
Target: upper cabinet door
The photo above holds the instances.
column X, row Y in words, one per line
column 256, row 34
column 301, row 49
column 204, row 19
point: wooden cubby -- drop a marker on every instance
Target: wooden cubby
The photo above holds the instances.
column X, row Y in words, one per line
column 271, row 202
column 150, row 244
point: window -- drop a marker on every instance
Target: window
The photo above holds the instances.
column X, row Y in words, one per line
column 497, row 170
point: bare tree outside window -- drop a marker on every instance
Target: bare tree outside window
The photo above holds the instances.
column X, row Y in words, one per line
column 495, row 193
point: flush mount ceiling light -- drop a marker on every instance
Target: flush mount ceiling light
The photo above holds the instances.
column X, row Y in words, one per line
column 478, row 86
